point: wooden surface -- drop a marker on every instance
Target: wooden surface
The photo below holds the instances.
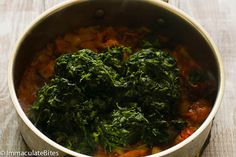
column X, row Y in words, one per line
column 218, row 17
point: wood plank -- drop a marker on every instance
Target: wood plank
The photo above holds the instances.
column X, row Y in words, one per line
column 174, row 3
column 218, row 18
column 15, row 15
column 51, row 3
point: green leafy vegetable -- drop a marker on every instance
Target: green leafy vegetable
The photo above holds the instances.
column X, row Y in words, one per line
column 121, row 129
column 196, row 76
column 150, row 41
column 110, row 100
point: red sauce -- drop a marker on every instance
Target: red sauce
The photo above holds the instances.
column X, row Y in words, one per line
column 194, row 110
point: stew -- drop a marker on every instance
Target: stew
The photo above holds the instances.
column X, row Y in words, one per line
column 116, row 91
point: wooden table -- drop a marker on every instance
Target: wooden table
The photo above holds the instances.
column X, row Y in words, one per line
column 218, row 17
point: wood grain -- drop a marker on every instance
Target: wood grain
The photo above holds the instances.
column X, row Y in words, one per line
column 15, row 15
column 218, row 17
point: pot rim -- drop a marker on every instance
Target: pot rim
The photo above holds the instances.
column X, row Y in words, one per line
column 159, row 3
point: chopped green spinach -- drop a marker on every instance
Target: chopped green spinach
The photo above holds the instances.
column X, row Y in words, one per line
column 107, row 100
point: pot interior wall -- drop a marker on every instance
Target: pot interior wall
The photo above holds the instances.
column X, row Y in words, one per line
column 114, row 12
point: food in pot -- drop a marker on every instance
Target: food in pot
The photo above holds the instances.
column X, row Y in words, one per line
column 116, row 91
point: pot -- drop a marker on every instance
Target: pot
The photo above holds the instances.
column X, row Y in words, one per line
column 152, row 13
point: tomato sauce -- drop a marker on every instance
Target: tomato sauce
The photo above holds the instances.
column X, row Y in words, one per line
column 194, row 106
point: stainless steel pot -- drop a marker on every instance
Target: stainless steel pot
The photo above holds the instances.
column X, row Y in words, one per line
column 153, row 13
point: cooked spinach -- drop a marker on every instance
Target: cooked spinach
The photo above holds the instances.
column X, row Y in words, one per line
column 121, row 129
column 150, row 40
column 196, row 76
column 200, row 84
column 110, row 100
